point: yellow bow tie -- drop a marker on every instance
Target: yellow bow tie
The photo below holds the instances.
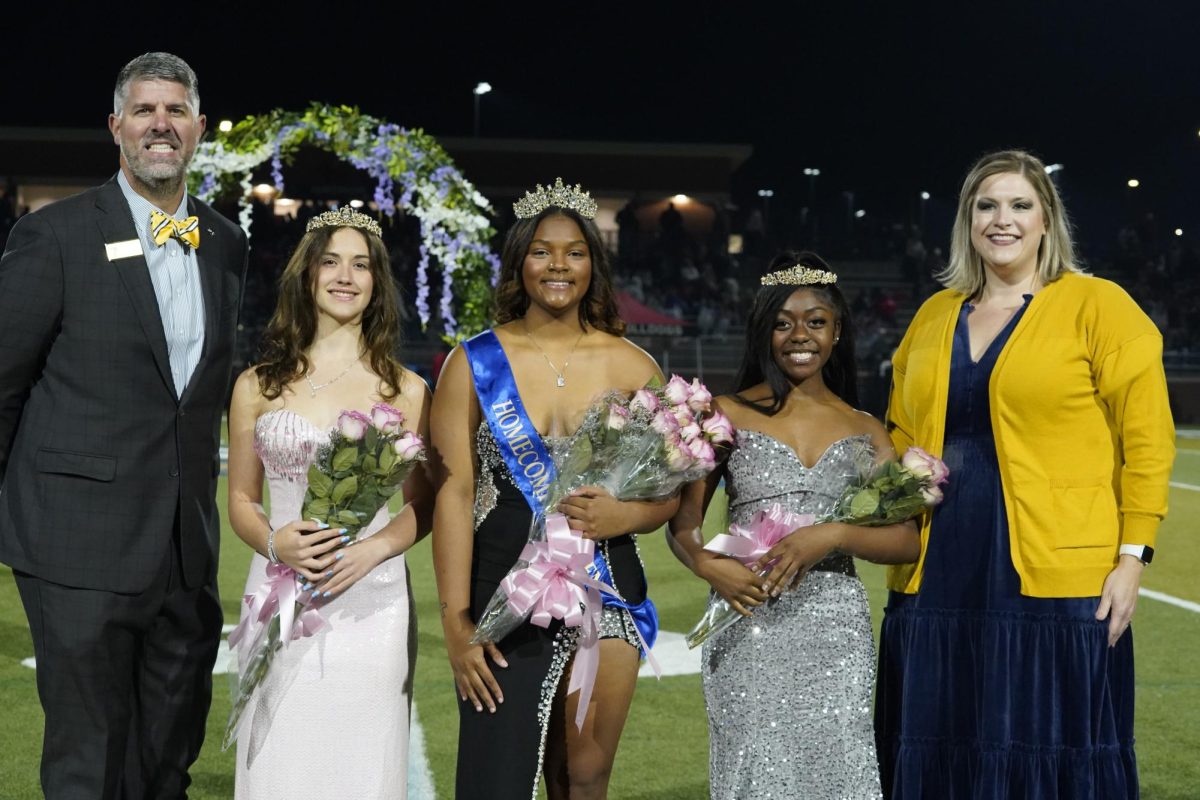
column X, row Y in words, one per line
column 163, row 227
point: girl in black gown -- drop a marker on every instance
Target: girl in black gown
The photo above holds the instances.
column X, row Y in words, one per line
column 559, row 341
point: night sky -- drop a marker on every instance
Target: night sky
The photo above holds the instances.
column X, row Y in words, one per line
column 886, row 99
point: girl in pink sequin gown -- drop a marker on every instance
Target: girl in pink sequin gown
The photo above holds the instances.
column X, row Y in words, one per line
column 331, row 719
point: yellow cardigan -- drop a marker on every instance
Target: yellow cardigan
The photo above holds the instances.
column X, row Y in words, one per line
column 1081, row 422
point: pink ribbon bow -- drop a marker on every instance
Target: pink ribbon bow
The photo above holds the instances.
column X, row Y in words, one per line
column 556, row 585
column 277, row 595
column 747, row 543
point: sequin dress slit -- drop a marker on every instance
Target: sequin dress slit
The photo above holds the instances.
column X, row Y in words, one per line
column 985, row 693
column 331, row 718
column 788, row 691
column 500, row 755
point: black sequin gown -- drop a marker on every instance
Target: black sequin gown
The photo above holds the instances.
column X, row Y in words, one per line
column 500, row 755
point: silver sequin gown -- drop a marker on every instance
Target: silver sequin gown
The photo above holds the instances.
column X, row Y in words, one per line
column 788, row 691
column 332, row 717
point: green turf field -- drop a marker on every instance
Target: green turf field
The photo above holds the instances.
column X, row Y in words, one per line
column 664, row 751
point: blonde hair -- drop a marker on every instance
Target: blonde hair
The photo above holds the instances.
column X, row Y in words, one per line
column 1056, row 253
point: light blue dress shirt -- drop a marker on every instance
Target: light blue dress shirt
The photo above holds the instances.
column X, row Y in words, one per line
column 175, row 274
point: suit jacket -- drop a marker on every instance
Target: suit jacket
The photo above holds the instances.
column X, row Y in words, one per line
column 100, row 462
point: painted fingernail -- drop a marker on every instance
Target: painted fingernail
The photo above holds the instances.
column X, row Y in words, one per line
column 326, row 594
column 322, row 526
column 345, row 539
column 342, row 530
column 329, row 574
column 338, row 557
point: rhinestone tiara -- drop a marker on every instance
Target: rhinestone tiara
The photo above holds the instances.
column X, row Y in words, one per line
column 344, row 217
column 799, row 275
column 559, row 196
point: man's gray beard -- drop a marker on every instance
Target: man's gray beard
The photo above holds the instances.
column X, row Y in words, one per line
column 159, row 184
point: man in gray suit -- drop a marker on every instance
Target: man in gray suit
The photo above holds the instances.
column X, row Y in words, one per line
column 118, row 309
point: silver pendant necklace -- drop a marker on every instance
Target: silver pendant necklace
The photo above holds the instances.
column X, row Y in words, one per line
column 316, row 387
column 560, row 375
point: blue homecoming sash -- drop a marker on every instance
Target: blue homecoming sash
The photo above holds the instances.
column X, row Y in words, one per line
column 523, row 451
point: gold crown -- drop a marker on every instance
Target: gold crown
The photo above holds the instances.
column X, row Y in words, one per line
column 559, row 196
column 344, row 217
column 799, row 275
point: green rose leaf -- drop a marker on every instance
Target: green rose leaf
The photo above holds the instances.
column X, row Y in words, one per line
column 319, row 483
column 344, row 459
column 348, row 518
column 318, row 509
column 346, row 488
column 864, row 503
column 369, row 463
column 577, row 459
column 371, row 440
column 387, row 459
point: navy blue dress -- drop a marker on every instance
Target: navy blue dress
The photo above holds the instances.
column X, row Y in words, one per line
column 985, row 693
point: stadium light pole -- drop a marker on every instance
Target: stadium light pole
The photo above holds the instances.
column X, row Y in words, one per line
column 766, row 195
column 813, row 173
column 481, row 88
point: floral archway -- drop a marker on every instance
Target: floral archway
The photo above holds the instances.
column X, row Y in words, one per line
column 412, row 173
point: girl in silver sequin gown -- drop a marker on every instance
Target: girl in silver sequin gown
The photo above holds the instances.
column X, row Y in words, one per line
column 788, row 690
column 331, row 719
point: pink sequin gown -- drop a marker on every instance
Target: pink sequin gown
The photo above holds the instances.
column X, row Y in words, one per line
column 332, row 717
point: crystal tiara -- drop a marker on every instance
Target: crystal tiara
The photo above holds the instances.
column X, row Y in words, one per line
column 559, row 196
column 344, row 217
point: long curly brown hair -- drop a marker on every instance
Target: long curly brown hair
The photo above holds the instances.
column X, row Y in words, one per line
column 290, row 332
column 599, row 305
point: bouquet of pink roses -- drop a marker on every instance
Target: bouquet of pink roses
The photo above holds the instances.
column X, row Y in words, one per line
column 353, row 476
column 894, row 492
column 642, row 447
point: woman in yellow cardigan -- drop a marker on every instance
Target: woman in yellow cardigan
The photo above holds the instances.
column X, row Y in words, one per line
column 1006, row 660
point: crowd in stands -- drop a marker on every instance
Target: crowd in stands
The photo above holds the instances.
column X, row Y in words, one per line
column 695, row 278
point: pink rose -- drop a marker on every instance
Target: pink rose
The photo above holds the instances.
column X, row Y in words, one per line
column 932, row 495
column 664, row 423
column 618, row 416
column 678, row 457
column 924, row 466
column 353, row 425
column 690, row 432
column 677, row 391
column 701, row 397
column 718, row 428
column 408, row 447
column 644, row 398
column 386, row 418
column 702, row 451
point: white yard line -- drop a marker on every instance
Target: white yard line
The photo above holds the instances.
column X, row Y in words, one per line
column 1163, row 597
column 420, row 776
column 1191, row 487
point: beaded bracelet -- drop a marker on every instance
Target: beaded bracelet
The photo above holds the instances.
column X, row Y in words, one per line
column 271, row 554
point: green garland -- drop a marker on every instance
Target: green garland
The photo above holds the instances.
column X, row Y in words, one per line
column 453, row 216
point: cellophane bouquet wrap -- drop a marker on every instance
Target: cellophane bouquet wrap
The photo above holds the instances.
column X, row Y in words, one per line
column 639, row 447
column 893, row 492
column 364, row 463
